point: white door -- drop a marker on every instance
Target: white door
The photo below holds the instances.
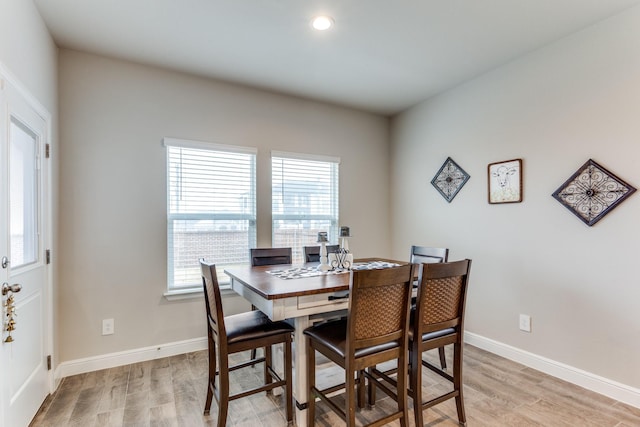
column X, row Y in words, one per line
column 24, row 380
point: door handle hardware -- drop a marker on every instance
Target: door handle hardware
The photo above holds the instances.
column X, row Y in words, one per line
column 5, row 262
column 6, row 288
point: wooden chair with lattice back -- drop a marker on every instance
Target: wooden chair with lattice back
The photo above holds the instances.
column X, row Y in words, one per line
column 429, row 255
column 374, row 331
column 312, row 253
column 436, row 320
column 237, row 333
column 439, row 320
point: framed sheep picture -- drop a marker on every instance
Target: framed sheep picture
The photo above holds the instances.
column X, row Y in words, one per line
column 505, row 181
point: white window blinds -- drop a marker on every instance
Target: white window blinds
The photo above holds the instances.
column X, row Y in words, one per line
column 304, row 200
column 211, row 209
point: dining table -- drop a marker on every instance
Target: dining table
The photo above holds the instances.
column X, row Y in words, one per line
column 304, row 295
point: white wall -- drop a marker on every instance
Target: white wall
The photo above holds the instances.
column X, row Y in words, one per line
column 28, row 53
column 114, row 115
column 555, row 108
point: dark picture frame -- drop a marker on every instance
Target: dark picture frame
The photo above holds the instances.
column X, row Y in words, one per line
column 592, row 192
column 450, row 179
column 504, row 180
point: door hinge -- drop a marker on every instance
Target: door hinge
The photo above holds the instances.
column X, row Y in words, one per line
column 48, row 362
column 47, row 149
column 47, row 255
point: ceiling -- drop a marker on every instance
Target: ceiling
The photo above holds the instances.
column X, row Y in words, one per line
column 381, row 56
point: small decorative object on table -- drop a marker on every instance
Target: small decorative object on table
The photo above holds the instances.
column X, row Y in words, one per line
column 324, row 262
column 343, row 259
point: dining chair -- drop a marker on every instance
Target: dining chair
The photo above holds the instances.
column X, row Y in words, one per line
column 436, row 320
column 429, row 255
column 312, row 253
column 236, row 333
column 268, row 256
column 374, row 331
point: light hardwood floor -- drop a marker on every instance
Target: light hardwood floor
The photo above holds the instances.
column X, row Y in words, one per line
column 171, row 392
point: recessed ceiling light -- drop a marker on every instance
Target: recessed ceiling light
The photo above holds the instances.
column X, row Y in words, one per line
column 322, row 22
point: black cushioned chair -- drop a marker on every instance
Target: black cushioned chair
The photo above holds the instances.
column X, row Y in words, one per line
column 268, row 256
column 241, row 332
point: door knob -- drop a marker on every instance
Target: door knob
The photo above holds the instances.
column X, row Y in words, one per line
column 6, row 288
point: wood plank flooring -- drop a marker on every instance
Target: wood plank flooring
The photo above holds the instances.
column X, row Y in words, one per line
column 171, row 392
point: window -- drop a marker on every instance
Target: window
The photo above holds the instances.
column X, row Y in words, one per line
column 304, row 200
column 23, row 194
column 211, row 209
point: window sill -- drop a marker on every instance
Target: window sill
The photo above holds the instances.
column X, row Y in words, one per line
column 184, row 294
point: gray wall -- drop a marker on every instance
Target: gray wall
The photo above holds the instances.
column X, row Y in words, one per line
column 114, row 115
column 555, row 108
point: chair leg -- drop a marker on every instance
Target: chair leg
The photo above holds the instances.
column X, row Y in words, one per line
column 311, row 383
column 223, row 390
column 268, row 379
column 360, row 389
column 457, row 382
column 415, row 379
column 288, row 371
column 371, row 390
column 212, row 376
column 402, row 390
column 443, row 360
column 254, row 352
column 207, row 404
column 350, row 398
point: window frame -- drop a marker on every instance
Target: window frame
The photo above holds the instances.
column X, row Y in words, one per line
column 334, row 218
column 179, row 292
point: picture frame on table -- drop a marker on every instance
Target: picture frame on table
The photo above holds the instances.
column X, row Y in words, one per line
column 505, row 181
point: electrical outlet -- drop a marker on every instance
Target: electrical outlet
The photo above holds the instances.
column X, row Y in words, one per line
column 108, row 327
column 525, row 322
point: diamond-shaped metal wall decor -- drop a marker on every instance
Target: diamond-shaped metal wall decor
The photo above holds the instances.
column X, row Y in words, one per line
column 450, row 179
column 592, row 192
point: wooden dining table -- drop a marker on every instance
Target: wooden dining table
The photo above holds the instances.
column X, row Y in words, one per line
column 303, row 296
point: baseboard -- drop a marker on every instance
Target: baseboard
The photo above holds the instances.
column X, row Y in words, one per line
column 111, row 360
column 601, row 385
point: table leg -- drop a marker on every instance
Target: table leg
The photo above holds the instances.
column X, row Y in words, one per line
column 300, row 371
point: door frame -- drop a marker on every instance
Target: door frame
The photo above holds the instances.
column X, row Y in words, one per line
column 8, row 78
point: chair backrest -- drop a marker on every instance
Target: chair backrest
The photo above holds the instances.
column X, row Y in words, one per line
column 442, row 293
column 270, row 256
column 213, row 302
column 427, row 255
column 312, row 253
column 378, row 307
